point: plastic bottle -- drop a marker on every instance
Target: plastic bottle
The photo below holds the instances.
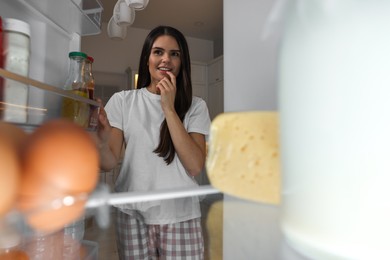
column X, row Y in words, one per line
column 75, row 110
column 16, row 55
column 40, row 246
column 73, row 236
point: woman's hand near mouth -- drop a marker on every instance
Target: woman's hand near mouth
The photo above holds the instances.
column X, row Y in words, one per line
column 167, row 89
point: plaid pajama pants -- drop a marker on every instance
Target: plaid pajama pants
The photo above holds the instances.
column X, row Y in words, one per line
column 137, row 240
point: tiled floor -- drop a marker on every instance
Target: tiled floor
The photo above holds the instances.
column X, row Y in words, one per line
column 105, row 238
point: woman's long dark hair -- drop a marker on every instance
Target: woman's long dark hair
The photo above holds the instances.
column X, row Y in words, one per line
column 183, row 97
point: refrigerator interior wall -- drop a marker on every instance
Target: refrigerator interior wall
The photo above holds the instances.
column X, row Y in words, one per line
column 56, row 28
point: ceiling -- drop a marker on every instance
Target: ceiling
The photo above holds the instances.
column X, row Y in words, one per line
column 194, row 18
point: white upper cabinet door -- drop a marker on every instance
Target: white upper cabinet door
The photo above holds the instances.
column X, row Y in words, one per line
column 215, row 70
column 199, row 79
column 200, row 90
column 215, row 100
column 199, row 73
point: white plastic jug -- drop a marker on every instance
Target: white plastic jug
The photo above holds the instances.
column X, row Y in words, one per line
column 334, row 100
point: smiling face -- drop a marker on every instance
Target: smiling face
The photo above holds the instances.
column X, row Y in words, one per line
column 164, row 56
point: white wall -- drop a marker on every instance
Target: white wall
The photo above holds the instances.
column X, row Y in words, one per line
column 249, row 61
column 117, row 56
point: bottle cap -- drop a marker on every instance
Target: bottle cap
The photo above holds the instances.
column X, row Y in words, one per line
column 14, row 25
column 78, row 53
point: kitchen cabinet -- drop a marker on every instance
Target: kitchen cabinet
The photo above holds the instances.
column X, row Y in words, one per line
column 199, row 79
column 215, row 70
column 207, row 83
column 215, row 102
column 199, row 72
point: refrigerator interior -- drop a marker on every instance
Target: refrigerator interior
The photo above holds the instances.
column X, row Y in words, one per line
column 56, row 29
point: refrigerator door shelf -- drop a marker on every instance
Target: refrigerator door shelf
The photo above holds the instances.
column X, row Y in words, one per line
column 92, row 9
column 73, row 16
column 89, row 6
column 39, row 113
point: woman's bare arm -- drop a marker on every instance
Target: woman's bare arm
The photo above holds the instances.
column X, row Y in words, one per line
column 110, row 141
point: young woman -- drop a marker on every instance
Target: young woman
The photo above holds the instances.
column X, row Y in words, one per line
column 163, row 128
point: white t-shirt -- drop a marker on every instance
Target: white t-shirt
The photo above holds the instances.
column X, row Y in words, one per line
column 139, row 115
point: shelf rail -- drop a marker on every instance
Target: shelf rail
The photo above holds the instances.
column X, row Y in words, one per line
column 134, row 197
column 46, row 87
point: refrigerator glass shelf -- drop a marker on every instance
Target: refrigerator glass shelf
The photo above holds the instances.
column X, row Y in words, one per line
column 36, row 113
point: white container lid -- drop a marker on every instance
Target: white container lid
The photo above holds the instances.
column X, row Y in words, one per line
column 14, row 25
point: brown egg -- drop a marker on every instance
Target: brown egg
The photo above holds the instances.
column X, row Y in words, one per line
column 14, row 255
column 10, row 168
column 14, row 133
column 59, row 159
column 63, row 154
column 43, row 205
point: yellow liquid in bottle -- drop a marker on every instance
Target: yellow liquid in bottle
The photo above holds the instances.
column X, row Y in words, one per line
column 76, row 111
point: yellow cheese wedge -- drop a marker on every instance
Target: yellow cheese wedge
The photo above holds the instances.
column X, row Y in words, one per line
column 243, row 155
